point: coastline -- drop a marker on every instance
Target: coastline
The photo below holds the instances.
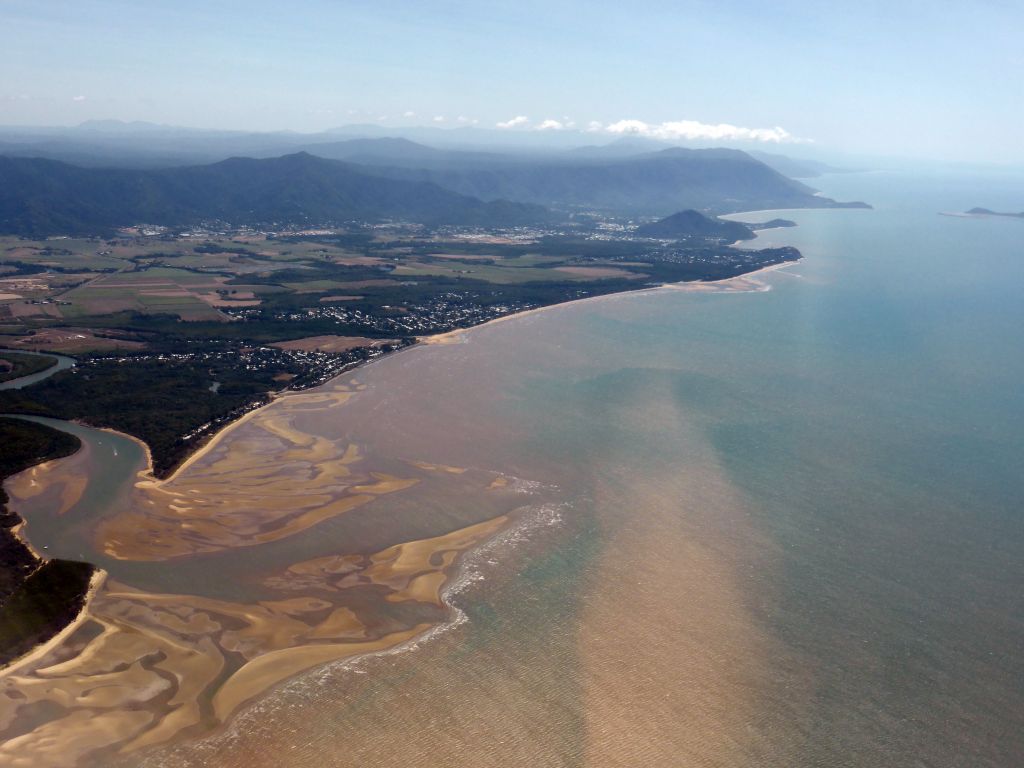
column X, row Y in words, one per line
column 145, row 478
column 97, row 580
column 257, row 676
column 721, row 285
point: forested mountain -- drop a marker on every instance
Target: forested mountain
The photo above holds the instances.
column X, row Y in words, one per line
column 42, row 197
column 657, row 183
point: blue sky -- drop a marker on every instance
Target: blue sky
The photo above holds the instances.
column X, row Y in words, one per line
column 936, row 79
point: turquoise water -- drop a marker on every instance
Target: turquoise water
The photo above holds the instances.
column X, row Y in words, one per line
column 793, row 536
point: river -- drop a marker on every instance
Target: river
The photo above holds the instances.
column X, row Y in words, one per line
column 62, row 364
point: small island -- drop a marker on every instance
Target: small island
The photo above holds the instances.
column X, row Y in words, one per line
column 987, row 212
column 980, row 212
column 772, row 224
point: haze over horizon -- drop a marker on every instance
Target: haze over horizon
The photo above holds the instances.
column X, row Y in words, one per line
column 869, row 79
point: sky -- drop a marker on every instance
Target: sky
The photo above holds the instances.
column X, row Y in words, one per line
column 938, row 79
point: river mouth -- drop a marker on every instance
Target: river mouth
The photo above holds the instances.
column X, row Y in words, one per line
column 285, row 544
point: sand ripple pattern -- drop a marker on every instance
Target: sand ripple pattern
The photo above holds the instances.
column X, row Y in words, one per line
column 144, row 668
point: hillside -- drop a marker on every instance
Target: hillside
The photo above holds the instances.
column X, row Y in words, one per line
column 796, row 168
column 44, row 197
column 655, row 184
column 694, row 224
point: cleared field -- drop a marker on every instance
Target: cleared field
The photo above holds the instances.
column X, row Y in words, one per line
column 330, row 343
column 153, row 291
column 224, row 263
column 490, row 273
column 79, row 254
column 22, row 310
column 234, row 299
column 315, row 286
column 43, row 285
column 464, row 256
column 70, row 341
column 598, row 273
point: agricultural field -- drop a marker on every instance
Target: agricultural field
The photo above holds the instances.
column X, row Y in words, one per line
column 187, row 295
column 71, row 340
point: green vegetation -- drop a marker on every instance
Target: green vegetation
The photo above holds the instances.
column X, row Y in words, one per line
column 37, row 598
column 45, row 197
column 22, row 364
column 157, row 400
column 46, row 602
column 691, row 224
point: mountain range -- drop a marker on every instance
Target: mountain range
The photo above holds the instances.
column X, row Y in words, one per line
column 45, row 197
column 381, row 178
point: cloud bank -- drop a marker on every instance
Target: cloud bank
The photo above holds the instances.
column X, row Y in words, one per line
column 515, row 122
column 692, row 129
column 672, row 130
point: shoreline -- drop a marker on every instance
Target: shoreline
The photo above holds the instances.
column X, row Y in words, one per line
column 462, row 575
column 694, row 286
column 145, row 477
column 97, row 580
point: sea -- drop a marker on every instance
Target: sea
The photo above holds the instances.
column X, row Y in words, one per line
column 787, row 525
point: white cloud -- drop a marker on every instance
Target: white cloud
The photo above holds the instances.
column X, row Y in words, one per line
column 551, row 125
column 594, row 126
column 409, row 113
column 439, row 118
column 693, row 129
column 515, row 122
column 78, row 98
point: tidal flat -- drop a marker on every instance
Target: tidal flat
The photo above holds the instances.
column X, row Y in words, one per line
column 175, row 643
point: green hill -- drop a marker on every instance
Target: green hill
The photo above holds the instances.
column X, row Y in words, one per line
column 694, row 224
column 45, row 197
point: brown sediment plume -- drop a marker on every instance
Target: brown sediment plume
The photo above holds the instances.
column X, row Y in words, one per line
column 153, row 666
column 687, row 575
